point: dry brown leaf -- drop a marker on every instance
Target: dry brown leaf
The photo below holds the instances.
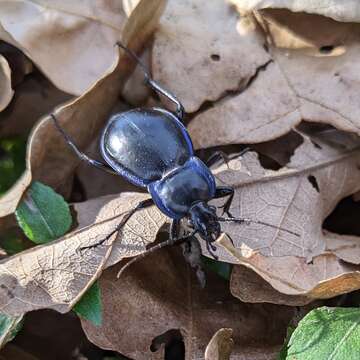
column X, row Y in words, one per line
column 6, row 91
column 49, row 158
column 220, row 345
column 161, row 293
column 337, row 9
column 263, row 111
column 298, row 198
column 57, row 274
column 317, row 176
column 296, row 85
column 201, row 52
column 129, row 6
column 249, row 287
column 313, row 33
column 81, row 35
column 34, row 97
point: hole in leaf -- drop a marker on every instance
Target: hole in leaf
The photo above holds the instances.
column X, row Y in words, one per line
column 277, row 153
column 215, row 57
column 344, row 219
column 313, row 182
column 326, row 49
column 269, row 163
column 174, row 344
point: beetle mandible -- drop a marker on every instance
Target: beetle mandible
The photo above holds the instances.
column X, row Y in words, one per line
column 151, row 148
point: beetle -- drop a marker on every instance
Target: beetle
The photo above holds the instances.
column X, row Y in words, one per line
column 151, row 148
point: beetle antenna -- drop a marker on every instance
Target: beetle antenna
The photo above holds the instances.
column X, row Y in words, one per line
column 249, row 221
column 153, row 249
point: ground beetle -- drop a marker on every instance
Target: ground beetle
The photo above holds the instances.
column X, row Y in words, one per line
column 151, row 148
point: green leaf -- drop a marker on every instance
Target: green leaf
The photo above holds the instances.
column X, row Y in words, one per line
column 12, row 242
column 43, row 214
column 12, row 161
column 89, row 306
column 284, row 350
column 223, row 269
column 327, row 333
column 9, row 327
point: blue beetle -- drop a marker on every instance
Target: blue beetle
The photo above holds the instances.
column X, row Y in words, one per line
column 151, row 148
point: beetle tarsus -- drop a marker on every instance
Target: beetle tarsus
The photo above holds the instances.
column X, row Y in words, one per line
column 211, row 248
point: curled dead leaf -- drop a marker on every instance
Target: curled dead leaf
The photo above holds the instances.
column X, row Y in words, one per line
column 6, row 91
column 49, row 158
column 249, row 287
column 316, row 35
column 336, row 9
column 220, row 345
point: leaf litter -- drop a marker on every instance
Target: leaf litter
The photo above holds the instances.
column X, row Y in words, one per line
column 264, row 98
column 71, row 42
column 287, row 85
column 149, row 301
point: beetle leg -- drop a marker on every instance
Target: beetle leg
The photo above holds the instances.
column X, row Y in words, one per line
column 211, row 248
column 98, row 164
column 220, row 155
column 192, row 254
column 179, row 107
column 153, row 84
column 222, row 191
column 143, row 204
column 215, row 157
column 174, row 230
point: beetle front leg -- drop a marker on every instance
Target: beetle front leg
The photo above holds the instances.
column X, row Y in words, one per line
column 141, row 205
column 220, row 155
column 211, row 248
column 174, row 230
column 222, row 191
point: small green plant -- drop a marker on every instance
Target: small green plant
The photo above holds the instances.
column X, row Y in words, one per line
column 325, row 334
column 12, row 161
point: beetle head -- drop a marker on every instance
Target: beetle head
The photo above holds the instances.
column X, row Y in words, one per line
column 204, row 220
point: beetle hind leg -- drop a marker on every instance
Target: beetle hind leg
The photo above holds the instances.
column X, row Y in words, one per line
column 81, row 155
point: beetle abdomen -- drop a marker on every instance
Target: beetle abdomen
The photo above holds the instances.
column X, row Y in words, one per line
column 143, row 145
column 177, row 192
